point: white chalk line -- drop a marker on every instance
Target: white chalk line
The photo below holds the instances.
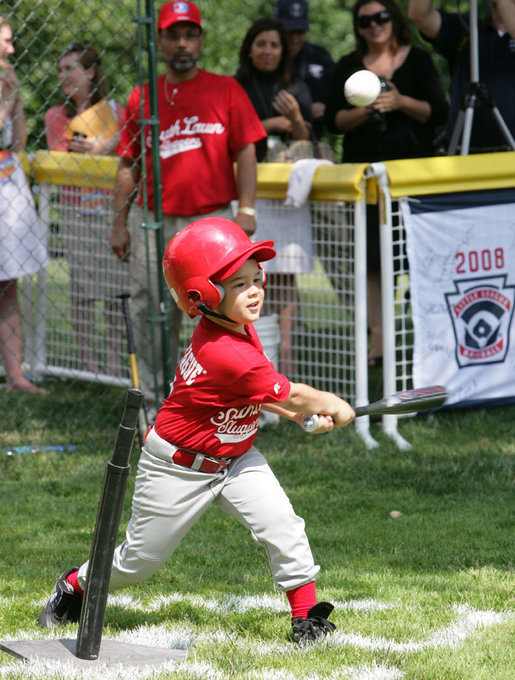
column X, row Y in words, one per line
column 467, row 622
column 194, row 671
column 184, row 637
column 231, row 604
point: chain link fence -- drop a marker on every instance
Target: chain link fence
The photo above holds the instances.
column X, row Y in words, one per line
column 72, row 324
column 73, row 329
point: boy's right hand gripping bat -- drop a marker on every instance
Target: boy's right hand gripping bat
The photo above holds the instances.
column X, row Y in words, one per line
column 408, row 401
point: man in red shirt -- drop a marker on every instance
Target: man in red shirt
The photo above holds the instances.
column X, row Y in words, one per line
column 206, row 124
column 201, row 450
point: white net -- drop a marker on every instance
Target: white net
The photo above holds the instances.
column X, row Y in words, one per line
column 310, row 292
column 84, row 326
column 402, row 309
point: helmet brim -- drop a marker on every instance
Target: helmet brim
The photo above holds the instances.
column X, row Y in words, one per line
column 260, row 251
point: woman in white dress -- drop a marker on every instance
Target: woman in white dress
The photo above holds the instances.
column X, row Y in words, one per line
column 22, row 247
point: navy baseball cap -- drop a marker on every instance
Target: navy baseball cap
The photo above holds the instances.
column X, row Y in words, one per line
column 293, row 14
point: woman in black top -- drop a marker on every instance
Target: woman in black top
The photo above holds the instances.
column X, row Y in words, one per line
column 399, row 124
column 265, row 72
column 284, row 107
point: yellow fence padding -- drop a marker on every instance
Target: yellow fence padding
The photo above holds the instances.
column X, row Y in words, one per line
column 343, row 182
column 449, row 174
column 26, row 162
column 330, row 182
column 86, row 170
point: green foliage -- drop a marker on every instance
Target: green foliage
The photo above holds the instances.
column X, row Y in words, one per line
column 227, row 22
column 44, row 27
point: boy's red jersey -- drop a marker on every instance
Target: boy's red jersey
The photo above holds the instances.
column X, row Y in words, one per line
column 215, row 398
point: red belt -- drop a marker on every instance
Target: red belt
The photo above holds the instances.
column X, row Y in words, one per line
column 198, row 461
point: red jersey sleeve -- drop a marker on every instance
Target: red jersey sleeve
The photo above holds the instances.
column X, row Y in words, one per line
column 130, row 143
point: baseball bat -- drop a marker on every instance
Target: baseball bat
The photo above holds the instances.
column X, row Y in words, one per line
column 407, row 401
column 133, row 366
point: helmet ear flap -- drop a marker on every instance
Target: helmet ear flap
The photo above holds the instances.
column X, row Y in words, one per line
column 262, row 275
column 199, row 290
column 220, row 289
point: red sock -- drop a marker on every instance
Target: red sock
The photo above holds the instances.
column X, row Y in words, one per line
column 301, row 599
column 72, row 580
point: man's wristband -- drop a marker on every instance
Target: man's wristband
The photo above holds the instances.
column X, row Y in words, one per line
column 245, row 210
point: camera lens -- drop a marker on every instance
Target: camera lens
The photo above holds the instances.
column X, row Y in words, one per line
column 384, row 86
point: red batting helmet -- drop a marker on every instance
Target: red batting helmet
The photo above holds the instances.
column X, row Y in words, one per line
column 208, row 250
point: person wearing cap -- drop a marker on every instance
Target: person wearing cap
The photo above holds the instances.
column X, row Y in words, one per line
column 312, row 63
column 201, row 449
column 207, row 125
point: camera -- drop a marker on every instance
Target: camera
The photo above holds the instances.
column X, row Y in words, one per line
column 78, row 135
column 377, row 118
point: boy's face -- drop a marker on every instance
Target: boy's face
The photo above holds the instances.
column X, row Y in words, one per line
column 244, row 295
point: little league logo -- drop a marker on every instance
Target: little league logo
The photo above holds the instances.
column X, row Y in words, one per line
column 481, row 311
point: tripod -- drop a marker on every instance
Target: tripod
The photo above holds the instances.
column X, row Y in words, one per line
column 476, row 92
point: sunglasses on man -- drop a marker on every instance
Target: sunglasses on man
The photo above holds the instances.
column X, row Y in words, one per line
column 379, row 18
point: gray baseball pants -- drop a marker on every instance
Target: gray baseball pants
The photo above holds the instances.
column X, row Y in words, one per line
column 169, row 499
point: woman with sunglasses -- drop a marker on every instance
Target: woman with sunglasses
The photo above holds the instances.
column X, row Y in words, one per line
column 399, row 124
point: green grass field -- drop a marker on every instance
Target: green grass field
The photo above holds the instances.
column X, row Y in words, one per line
column 426, row 596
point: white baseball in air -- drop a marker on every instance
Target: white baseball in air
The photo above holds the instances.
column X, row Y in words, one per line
column 362, row 88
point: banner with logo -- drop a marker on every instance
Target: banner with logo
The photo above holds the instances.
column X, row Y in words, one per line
column 461, row 253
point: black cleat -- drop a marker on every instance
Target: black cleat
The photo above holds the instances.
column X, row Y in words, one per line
column 64, row 604
column 315, row 626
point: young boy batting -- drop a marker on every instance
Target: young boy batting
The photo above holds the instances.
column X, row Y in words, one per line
column 201, row 450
